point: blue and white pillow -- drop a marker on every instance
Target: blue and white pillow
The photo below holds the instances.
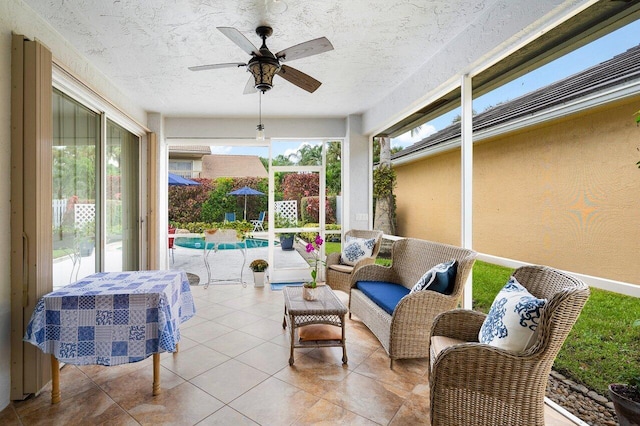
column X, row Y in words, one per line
column 513, row 318
column 440, row 278
column 356, row 249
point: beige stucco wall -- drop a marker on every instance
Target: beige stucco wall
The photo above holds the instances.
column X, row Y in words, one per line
column 564, row 194
column 428, row 199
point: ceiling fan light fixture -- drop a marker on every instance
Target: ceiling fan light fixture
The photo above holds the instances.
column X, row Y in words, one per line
column 260, row 133
column 263, row 69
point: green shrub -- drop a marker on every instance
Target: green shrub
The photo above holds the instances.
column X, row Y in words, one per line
column 311, row 236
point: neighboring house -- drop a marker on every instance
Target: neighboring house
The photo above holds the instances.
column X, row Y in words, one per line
column 554, row 176
column 186, row 161
column 216, row 166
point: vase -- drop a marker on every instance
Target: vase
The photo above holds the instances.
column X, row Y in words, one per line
column 258, row 279
column 309, row 293
column 627, row 410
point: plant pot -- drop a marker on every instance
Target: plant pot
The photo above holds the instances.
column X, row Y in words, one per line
column 85, row 248
column 627, row 410
column 286, row 242
column 258, row 279
column 309, row 293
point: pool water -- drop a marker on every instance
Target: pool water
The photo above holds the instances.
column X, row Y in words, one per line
column 198, row 243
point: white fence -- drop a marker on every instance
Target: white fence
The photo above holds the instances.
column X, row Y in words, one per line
column 287, row 209
column 59, row 207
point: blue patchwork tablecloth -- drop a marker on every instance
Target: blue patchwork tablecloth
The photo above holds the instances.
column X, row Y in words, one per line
column 112, row 318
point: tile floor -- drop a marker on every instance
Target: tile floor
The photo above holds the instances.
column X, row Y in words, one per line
column 232, row 369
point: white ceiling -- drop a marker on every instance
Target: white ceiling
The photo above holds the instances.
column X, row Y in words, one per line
column 145, row 46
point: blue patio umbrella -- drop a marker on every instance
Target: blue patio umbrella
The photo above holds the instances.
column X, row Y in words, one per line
column 175, row 180
column 245, row 190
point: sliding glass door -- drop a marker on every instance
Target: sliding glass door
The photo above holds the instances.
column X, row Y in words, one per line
column 95, row 193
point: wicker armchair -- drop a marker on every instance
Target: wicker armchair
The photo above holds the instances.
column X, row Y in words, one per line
column 478, row 384
column 338, row 275
column 405, row 334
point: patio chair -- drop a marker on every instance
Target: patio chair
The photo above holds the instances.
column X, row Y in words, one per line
column 479, row 384
column 257, row 223
column 230, row 217
column 338, row 273
column 172, row 233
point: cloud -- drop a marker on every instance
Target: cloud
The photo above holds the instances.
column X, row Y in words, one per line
column 406, row 139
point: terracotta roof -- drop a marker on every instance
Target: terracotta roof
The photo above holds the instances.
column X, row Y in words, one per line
column 215, row 166
column 616, row 71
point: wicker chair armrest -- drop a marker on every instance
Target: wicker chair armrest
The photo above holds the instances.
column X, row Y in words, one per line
column 462, row 324
column 419, row 309
column 333, row 259
column 374, row 272
column 362, row 262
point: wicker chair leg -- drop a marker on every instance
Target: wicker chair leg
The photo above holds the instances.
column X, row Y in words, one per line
column 390, row 363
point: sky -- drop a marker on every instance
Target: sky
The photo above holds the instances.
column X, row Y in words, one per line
column 593, row 53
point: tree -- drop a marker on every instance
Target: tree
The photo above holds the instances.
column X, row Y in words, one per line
column 384, row 180
column 334, row 168
column 376, row 151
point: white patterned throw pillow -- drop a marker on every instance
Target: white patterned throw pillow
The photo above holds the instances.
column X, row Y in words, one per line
column 513, row 318
column 356, row 249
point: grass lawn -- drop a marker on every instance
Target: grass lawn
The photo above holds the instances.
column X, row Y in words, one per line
column 602, row 348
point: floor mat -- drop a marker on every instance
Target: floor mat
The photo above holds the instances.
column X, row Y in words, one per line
column 279, row 286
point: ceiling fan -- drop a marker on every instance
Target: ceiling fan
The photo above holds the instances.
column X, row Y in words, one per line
column 263, row 64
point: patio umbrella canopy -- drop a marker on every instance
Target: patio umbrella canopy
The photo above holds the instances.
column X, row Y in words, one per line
column 245, row 190
column 175, row 180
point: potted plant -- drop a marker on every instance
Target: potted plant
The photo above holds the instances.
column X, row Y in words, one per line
column 86, row 238
column 286, row 238
column 258, row 266
column 309, row 288
column 626, row 398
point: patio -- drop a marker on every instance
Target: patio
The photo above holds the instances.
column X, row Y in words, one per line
column 233, row 368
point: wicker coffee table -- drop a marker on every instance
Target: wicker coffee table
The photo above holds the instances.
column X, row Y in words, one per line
column 326, row 309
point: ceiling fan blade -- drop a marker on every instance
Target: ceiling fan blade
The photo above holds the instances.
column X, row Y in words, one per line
column 216, row 66
column 302, row 50
column 238, row 38
column 250, row 87
column 300, row 79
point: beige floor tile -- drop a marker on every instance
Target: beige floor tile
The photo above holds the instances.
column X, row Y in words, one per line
column 90, row 407
column 183, row 404
column 238, row 319
column 227, row 416
column 267, row 357
column 234, row 343
column 229, row 380
column 264, row 403
column 205, row 331
column 369, row 398
column 132, row 389
column 265, row 329
column 194, row 361
column 324, row 412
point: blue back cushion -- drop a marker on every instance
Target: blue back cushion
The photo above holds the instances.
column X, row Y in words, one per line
column 384, row 294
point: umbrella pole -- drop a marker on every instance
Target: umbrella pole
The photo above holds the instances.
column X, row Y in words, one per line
column 245, row 207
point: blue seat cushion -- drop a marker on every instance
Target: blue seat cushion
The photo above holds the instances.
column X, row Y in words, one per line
column 384, row 294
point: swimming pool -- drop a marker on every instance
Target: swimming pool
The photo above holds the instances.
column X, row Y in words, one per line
column 198, row 243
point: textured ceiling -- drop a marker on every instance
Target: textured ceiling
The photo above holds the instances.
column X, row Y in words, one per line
column 145, row 46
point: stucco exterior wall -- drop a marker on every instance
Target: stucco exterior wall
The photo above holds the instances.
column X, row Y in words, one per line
column 565, row 194
column 428, row 199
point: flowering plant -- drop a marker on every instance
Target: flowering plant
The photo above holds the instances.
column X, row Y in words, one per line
column 311, row 248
